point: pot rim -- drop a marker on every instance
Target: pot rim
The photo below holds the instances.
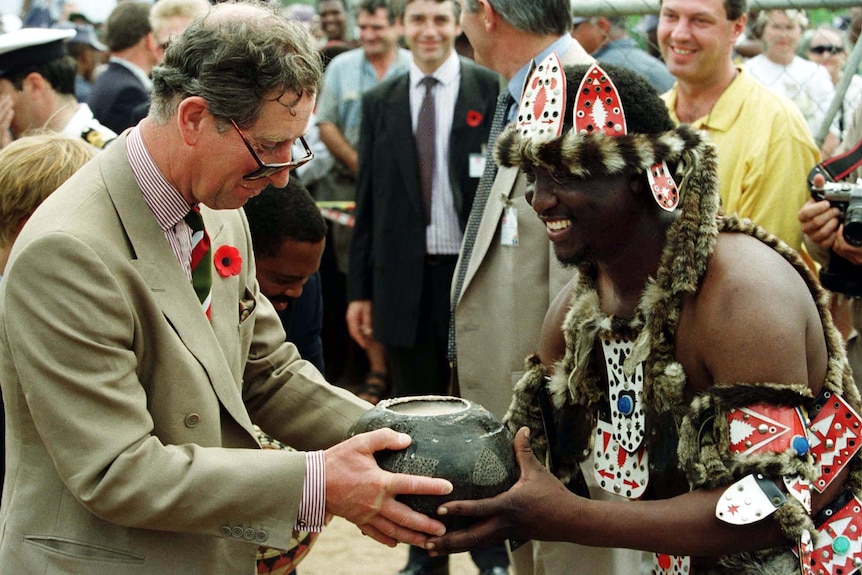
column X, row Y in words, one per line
column 387, row 404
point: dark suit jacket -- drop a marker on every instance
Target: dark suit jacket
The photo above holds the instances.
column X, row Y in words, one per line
column 387, row 254
column 117, row 97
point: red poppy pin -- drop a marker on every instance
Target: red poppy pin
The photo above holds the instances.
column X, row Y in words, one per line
column 227, row 261
column 474, row 118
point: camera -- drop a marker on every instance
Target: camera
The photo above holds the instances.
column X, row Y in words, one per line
column 840, row 275
column 848, row 198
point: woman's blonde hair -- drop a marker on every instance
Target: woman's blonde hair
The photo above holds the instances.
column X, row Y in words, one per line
column 31, row 168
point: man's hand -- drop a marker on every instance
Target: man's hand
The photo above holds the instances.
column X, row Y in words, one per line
column 358, row 490
column 526, row 511
column 338, row 146
column 821, row 222
column 6, row 115
column 845, row 250
column 359, row 321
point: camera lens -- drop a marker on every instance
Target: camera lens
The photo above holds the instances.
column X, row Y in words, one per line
column 853, row 223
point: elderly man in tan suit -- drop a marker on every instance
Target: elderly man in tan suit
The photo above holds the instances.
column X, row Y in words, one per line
column 132, row 381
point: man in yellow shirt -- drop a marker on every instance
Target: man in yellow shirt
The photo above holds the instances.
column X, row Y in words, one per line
column 765, row 150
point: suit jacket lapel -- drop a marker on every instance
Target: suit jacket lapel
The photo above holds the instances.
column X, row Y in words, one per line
column 458, row 144
column 158, row 266
column 504, row 184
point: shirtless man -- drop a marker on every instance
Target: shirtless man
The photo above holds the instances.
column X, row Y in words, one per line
column 702, row 440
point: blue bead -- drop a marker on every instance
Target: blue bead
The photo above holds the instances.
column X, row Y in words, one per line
column 800, row 445
column 625, row 405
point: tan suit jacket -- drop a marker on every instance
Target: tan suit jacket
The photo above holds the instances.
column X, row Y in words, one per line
column 506, row 291
column 129, row 416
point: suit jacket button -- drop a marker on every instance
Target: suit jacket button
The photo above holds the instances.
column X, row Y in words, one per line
column 249, row 534
column 192, row 420
column 237, row 532
column 261, row 536
column 224, row 531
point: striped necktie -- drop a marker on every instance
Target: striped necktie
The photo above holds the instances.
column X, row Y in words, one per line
column 201, row 264
column 483, row 190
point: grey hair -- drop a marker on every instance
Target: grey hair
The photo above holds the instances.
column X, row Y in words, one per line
column 535, row 16
column 236, row 61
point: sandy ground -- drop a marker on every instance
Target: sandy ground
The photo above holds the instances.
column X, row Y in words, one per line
column 341, row 549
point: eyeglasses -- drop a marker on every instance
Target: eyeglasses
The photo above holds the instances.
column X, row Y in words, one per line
column 820, row 50
column 266, row 170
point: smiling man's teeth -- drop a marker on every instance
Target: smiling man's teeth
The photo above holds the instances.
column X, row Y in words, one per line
column 557, row 225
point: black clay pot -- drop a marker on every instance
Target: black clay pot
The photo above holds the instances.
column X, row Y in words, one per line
column 453, row 438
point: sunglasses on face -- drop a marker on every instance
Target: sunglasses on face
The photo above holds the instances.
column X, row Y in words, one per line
column 820, row 50
column 265, row 170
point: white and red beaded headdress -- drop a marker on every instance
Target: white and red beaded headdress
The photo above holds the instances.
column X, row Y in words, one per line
column 600, row 141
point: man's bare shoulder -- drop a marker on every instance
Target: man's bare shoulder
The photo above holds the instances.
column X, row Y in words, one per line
column 552, row 345
column 743, row 271
column 753, row 319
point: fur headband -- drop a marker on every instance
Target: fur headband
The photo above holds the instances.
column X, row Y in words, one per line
column 584, row 155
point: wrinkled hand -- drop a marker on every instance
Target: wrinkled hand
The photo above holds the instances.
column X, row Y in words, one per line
column 6, row 115
column 523, row 512
column 358, row 490
column 359, row 321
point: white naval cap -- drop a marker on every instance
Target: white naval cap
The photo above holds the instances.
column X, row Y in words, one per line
column 28, row 46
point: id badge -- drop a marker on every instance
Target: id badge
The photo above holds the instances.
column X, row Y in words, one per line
column 477, row 165
column 509, row 233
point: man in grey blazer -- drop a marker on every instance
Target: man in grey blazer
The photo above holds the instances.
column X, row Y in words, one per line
column 130, row 399
column 507, row 276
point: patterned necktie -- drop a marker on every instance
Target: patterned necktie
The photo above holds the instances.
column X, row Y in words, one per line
column 483, row 190
column 201, row 264
column 425, row 144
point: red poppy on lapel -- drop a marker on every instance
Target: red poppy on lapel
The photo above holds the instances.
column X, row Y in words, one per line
column 474, row 118
column 227, row 261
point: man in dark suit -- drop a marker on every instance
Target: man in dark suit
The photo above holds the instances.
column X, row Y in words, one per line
column 408, row 227
column 120, row 93
column 137, row 352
